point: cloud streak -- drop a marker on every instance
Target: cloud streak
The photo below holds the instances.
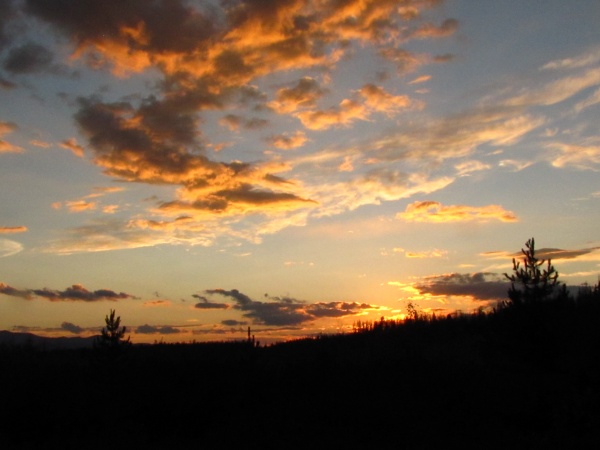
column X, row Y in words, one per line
column 75, row 292
column 285, row 311
column 482, row 286
column 9, row 230
column 435, row 212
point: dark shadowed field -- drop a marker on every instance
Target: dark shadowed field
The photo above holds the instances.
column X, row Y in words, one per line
column 525, row 377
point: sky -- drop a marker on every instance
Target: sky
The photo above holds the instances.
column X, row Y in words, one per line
column 293, row 166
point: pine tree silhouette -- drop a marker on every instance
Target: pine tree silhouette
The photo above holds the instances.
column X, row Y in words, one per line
column 112, row 336
column 531, row 283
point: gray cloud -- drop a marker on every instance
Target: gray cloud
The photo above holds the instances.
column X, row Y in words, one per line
column 6, row 14
column 149, row 329
column 11, row 291
column 481, row 285
column 233, row 323
column 557, row 253
column 74, row 293
column 28, row 58
column 71, row 328
column 206, row 304
column 286, row 311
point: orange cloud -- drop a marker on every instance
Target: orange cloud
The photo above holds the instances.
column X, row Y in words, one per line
column 435, row 212
column 41, row 144
column 347, row 112
column 421, row 79
column 71, row 144
column 157, row 304
column 427, row 254
column 586, row 156
column 7, row 147
column 374, row 99
column 287, row 141
column 303, row 95
column 80, row 205
column 7, row 230
column 377, row 99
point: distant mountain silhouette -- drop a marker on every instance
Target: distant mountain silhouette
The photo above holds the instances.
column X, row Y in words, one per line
column 44, row 343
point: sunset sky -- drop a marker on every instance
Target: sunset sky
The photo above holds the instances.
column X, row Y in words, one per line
column 289, row 165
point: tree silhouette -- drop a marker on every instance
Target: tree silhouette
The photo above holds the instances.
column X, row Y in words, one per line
column 112, row 336
column 531, row 283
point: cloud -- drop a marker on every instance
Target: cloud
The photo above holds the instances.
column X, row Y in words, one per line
column 157, row 304
column 584, row 60
column 74, row 293
column 428, row 211
column 288, row 141
column 481, row 285
column 235, row 122
column 557, row 253
column 378, row 100
column 80, row 205
column 8, row 230
column 7, row 147
column 421, row 79
column 9, row 248
column 79, row 293
column 71, row 144
column 515, row 165
column 71, row 328
column 5, row 84
column 7, row 12
column 583, row 254
column 593, row 99
column 233, row 323
column 212, row 58
column 303, row 95
column 206, row 304
column 465, row 168
column 428, row 30
column 426, row 254
column 28, row 58
column 11, row 291
column 39, row 143
column 583, row 157
column 371, row 99
column 285, row 311
column 149, row 329
column 160, row 155
column 561, row 80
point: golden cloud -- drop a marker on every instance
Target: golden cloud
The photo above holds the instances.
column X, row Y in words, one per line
column 579, row 156
column 8, row 230
column 287, row 141
column 71, row 144
column 7, row 147
column 80, row 205
column 435, row 212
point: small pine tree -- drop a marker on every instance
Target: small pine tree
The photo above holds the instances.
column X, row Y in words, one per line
column 531, row 283
column 112, row 336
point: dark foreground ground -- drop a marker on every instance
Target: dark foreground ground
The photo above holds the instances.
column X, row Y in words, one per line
column 514, row 379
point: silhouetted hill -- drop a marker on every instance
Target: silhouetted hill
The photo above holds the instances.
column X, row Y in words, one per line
column 44, row 343
column 519, row 378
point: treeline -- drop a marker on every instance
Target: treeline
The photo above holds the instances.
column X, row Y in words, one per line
column 525, row 375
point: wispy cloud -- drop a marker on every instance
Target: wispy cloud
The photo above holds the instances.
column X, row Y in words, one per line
column 9, row 247
column 71, row 144
column 8, row 230
column 429, row 211
column 74, row 293
column 5, row 146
